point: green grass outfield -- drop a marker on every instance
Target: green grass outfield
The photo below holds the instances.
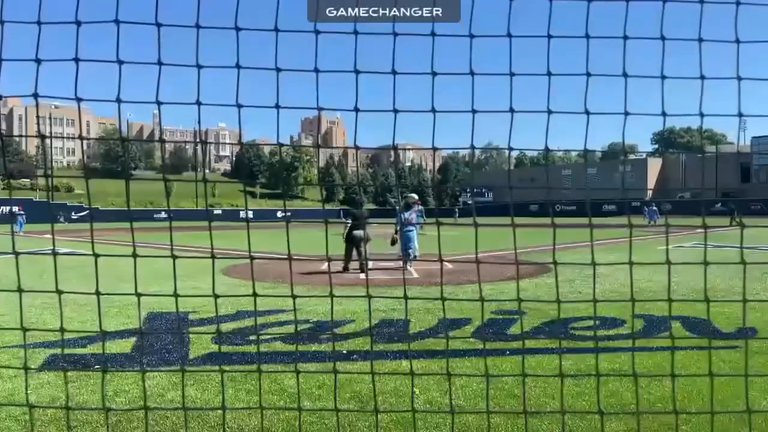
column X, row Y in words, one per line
column 147, row 190
column 708, row 390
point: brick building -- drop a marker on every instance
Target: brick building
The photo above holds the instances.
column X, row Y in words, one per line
column 53, row 129
column 216, row 147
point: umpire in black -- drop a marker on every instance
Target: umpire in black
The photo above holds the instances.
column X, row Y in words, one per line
column 356, row 238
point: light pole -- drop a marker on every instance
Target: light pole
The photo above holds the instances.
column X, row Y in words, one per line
column 742, row 130
column 50, row 145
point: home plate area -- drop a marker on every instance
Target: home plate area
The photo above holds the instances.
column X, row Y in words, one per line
column 389, row 268
column 385, row 270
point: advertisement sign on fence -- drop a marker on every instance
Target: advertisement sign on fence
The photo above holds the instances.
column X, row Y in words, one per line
column 41, row 211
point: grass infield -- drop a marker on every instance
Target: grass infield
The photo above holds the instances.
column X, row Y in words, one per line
column 113, row 280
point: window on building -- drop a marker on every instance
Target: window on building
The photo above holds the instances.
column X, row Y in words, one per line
column 745, row 172
column 88, row 128
column 21, row 124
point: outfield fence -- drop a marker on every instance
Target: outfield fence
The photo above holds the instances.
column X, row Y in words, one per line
column 41, row 211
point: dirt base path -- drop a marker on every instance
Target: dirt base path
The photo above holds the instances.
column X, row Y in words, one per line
column 385, row 270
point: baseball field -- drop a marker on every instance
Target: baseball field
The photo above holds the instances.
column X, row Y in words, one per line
column 524, row 324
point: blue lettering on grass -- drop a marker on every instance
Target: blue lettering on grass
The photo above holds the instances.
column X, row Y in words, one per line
column 163, row 340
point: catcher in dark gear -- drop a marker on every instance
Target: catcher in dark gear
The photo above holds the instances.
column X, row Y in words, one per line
column 356, row 239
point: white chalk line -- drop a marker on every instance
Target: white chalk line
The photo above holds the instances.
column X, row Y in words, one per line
column 588, row 243
column 391, row 265
column 372, row 274
column 325, row 266
column 196, row 249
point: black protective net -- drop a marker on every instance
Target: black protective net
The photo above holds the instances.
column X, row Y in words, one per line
column 554, row 193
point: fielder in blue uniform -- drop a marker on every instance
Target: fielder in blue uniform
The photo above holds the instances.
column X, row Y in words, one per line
column 653, row 214
column 407, row 229
column 21, row 221
column 645, row 212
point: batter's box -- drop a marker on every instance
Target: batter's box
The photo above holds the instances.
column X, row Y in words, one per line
column 418, row 265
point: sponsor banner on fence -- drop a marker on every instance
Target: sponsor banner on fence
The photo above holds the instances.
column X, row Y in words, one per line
column 756, row 208
column 565, row 208
column 41, row 211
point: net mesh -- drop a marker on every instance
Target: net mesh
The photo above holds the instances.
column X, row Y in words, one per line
column 143, row 319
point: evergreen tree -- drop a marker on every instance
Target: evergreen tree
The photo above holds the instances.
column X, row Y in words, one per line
column 15, row 163
column 290, row 169
column 383, row 186
column 421, row 184
column 330, row 181
column 357, row 189
column 446, row 188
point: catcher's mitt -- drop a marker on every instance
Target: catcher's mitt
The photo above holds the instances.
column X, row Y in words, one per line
column 393, row 241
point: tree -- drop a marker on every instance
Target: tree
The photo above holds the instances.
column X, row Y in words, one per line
column 357, row 190
column 402, row 182
column 673, row 139
column 15, row 163
column 588, row 156
column 289, row 169
column 330, row 181
column 568, row 157
column 383, row 186
column 342, row 170
column 618, row 150
column 250, row 165
column 448, row 183
column 147, row 155
column 178, row 161
column 522, row 160
column 379, row 159
column 421, row 184
column 490, row 157
column 544, row 158
column 117, row 158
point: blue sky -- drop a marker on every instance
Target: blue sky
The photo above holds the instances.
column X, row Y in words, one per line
column 527, row 71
